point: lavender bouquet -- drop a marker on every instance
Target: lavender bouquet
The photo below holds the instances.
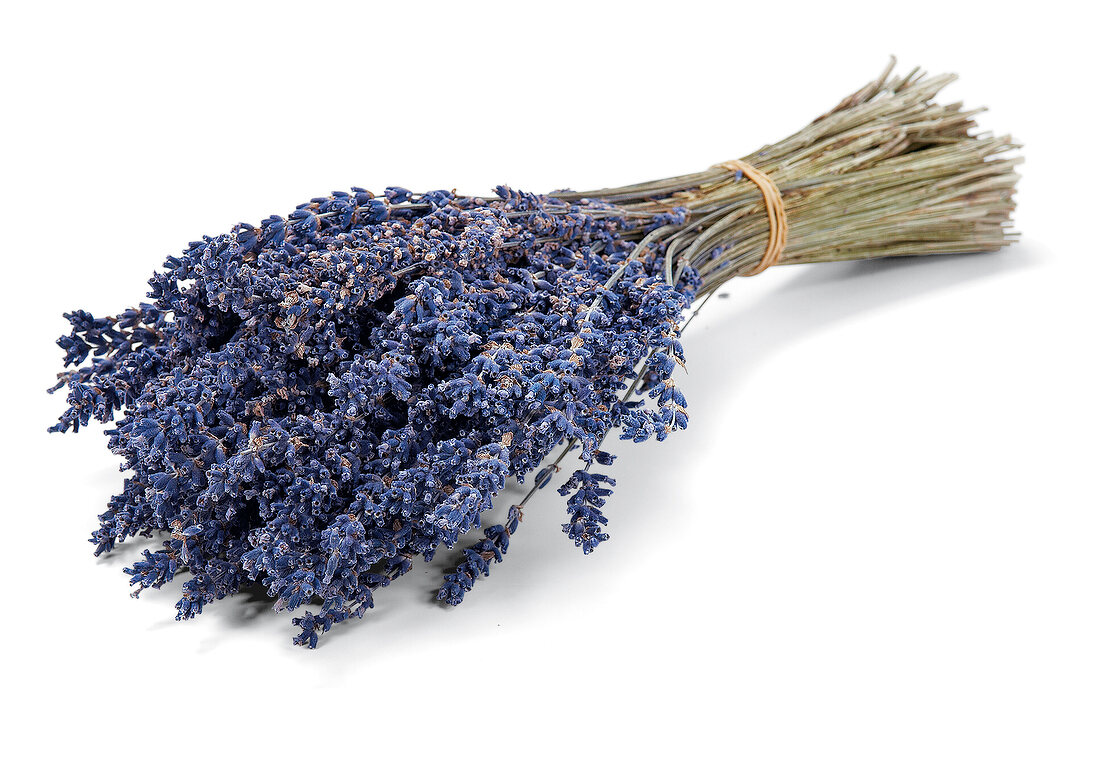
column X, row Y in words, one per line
column 317, row 401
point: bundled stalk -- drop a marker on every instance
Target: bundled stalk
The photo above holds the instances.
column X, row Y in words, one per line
column 886, row 173
column 315, row 402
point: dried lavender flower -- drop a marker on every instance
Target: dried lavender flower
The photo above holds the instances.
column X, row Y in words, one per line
column 317, row 401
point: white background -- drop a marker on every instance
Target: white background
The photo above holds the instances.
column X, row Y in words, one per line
column 876, row 543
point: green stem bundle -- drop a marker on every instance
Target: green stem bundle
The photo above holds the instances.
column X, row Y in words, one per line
column 888, row 172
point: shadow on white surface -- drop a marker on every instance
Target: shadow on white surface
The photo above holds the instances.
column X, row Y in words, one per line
column 724, row 345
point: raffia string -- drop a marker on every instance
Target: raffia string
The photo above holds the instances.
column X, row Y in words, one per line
column 773, row 205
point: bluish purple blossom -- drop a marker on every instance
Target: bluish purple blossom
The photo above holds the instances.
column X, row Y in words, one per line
column 315, row 402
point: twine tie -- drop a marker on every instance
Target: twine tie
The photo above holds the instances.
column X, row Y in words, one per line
column 773, row 206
